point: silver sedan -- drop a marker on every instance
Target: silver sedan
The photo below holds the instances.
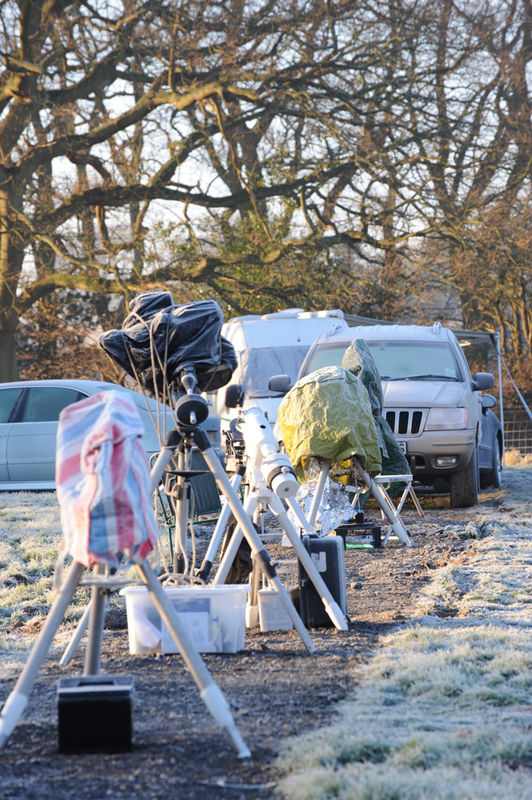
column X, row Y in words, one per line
column 29, row 414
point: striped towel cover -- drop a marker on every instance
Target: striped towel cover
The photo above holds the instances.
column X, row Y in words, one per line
column 103, row 481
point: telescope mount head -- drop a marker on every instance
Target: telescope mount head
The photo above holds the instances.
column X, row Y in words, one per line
column 191, row 408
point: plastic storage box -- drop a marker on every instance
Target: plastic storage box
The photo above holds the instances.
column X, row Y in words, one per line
column 273, row 616
column 214, row 618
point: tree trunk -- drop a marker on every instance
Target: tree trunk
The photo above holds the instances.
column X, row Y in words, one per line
column 11, row 258
column 8, row 348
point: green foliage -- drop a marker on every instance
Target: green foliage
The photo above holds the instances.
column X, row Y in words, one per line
column 245, row 265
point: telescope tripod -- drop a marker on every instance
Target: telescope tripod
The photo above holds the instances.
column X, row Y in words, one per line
column 260, row 500
column 269, row 476
column 210, row 693
column 191, row 410
column 245, row 525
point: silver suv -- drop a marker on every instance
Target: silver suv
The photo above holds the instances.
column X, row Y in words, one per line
column 431, row 402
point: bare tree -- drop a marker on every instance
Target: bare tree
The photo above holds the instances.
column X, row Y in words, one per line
column 298, row 147
column 473, row 143
column 114, row 106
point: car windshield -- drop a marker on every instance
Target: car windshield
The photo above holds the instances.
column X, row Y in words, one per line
column 258, row 364
column 397, row 360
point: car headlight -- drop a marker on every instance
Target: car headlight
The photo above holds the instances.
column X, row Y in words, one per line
column 446, row 419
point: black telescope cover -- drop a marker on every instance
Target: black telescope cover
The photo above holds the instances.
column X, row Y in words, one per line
column 159, row 339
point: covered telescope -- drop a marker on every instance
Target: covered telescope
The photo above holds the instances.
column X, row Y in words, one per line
column 160, row 340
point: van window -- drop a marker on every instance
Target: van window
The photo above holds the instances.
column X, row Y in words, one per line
column 258, row 364
column 395, row 360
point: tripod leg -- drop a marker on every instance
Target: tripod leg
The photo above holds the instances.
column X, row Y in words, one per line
column 250, row 506
column 252, row 606
column 211, row 694
column 18, row 699
column 181, row 494
column 156, row 474
column 161, row 462
column 228, row 557
column 298, row 512
column 71, row 647
column 219, row 530
column 253, row 538
column 332, row 608
column 318, row 494
column 95, row 632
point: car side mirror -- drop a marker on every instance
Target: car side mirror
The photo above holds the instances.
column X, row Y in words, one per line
column 280, row 383
column 483, row 380
column 488, row 401
column 234, row 395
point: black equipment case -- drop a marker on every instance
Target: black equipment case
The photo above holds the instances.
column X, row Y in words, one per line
column 327, row 552
column 95, row 714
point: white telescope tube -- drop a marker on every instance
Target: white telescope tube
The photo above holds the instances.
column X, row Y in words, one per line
column 263, row 451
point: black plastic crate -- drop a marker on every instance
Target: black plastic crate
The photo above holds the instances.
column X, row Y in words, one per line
column 360, row 533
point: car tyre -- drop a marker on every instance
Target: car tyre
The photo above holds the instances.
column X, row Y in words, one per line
column 493, row 477
column 464, row 485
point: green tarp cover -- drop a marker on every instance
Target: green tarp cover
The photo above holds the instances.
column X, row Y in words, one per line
column 359, row 360
column 327, row 415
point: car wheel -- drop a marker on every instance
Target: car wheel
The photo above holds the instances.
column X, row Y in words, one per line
column 493, row 477
column 464, row 485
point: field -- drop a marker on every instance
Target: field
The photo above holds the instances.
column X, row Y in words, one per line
column 426, row 696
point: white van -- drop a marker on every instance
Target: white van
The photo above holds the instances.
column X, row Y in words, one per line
column 267, row 345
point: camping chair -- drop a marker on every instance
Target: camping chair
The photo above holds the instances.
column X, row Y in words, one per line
column 376, row 485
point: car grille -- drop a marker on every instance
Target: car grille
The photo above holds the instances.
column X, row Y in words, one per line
column 405, row 422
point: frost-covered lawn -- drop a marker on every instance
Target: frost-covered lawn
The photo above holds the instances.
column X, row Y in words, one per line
column 30, row 537
column 444, row 708
column 30, row 534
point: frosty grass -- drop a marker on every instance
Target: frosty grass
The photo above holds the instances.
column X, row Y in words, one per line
column 30, row 538
column 443, row 710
